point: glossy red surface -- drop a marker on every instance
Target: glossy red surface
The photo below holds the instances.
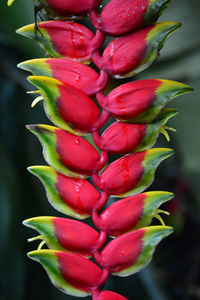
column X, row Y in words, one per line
column 75, row 236
column 74, row 73
column 121, row 16
column 69, row 39
column 131, row 99
column 79, row 271
column 76, row 153
column 72, row 7
column 108, row 295
column 123, row 174
column 122, row 215
column 122, row 138
column 77, row 108
column 132, row 47
column 77, row 193
column 123, row 251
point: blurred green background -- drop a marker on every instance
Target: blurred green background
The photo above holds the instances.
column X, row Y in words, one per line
column 175, row 270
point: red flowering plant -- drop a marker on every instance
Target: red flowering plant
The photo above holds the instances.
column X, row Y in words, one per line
column 76, row 102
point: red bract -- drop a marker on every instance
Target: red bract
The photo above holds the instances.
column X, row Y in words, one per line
column 77, row 153
column 78, row 271
column 141, row 101
column 69, row 39
column 73, row 274
column 120, row 137
column 69, row 154
column 138, row 49
column 77, row 193
column 108, row 295
column 75, row 236
column 132, row 173
column 72, row 7
column 67, row 71
column 66, row 234
column 130, row 252
column 121, row 16
column 135, row 212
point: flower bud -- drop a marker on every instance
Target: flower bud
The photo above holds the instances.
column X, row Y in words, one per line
column 69, row 154
column 141, row 101
column 62, row 39
column 65, row 104
column 123, row 138
column 65, row 234
column 55, row 8
column 108, row 295
column 79, row 75
column 132, row 173
column 121, row 16
column 132, row 212
column 71, row 196
column 71, row 273
column 131, row 252
column 134, row 52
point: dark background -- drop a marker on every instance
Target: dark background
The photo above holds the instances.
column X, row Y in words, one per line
column 175, row 270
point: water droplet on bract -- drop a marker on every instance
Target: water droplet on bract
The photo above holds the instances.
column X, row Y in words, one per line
column 78, row 140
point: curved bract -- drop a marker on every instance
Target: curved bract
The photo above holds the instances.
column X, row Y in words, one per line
column 62, row 39
column 62, row 8
column 121, row 16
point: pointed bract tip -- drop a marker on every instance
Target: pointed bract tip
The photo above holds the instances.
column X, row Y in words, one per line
column 33, row 127
column 10, row 2
column 28, row 31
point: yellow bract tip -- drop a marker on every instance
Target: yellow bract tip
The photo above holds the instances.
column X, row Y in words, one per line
column 10, row 2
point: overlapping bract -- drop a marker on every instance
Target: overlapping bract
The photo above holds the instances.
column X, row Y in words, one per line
column 68, row 88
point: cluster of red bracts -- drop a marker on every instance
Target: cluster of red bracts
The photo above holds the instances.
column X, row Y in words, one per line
column 78, row 149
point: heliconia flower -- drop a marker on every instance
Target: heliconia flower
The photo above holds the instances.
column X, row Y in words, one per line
column 121, row 16
column 123, row 138
column 55, row 8
column 66, row 234
column 134, row 52
column 135, row 212
column 131, row 252
column 142, row 100
column 71, row 273
column 72, row 196
column 66, row 105
column 108, row 295
column 62, row 39
column 132, row 173
column 69, row 154
column 68, row 71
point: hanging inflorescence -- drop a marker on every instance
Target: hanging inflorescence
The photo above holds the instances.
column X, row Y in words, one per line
column 68, row 88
